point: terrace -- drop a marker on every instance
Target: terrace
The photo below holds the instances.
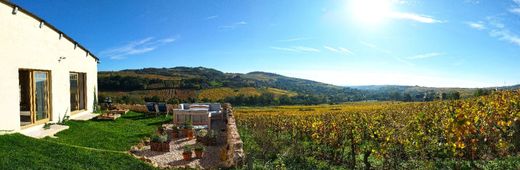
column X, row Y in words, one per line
column 121, row 144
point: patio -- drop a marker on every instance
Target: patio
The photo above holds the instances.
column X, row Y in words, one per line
column 174, row 158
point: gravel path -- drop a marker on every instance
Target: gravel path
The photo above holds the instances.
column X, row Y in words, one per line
column 174, row 159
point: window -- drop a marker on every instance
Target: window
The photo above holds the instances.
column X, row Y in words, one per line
column 34, row 96
column 77, row 91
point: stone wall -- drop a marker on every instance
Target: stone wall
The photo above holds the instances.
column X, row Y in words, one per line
column 235, row 151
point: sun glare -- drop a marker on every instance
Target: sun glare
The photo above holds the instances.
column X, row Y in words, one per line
column 370, row 11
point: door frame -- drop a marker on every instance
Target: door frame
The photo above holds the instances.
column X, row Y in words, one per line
column 32, row 95
column 84, row 89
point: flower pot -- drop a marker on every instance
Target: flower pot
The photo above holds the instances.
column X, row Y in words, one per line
column 175, row 135
column 189, row 133
column 198, row 154
column 160, row 147
column 186, row 156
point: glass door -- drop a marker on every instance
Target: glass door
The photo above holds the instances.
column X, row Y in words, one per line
column 74, row 95
column 41, row 95
column 77, row 92
column 34, row 97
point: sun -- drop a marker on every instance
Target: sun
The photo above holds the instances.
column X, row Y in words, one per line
column 370, row 11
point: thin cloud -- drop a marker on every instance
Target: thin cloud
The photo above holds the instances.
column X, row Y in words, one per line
column 515, row 11
column 415, row 17
column 516, row 8
column 233, row 25
column 501, row 32
column 284, row 49
column 211, row 17
column 424, row 56
column 387, row 52
column 306, row 49
column 295, row 39
column 477, row 25
column 472, row 1
column 297, row 49
column 506, row 35
column 339, row 50
column 135, row 47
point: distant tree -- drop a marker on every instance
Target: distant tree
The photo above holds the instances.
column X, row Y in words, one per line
column 419, row 97
column 152, row 99
column 395, row 96
column 173, row 101
column 429, row 96
column 444, row 96
column 453, row 95
column 482, row 92
column 407, row 97
column 285, row 100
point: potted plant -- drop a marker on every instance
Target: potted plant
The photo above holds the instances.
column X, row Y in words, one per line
column 201, row 135
column 188, row 129
column 160, row 130
column 212, row 138
column 160, row 143
column 186, row 154
column 199, row 149
column 146, row 141
column 175, row 132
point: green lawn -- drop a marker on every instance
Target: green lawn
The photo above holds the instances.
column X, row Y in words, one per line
column 117, row 135
column 21, row 152
column 85, row 145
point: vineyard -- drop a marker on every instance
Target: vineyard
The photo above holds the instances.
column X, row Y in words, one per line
column 475, row 133
column 216, row 94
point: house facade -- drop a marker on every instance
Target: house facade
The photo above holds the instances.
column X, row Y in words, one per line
column 45, row 74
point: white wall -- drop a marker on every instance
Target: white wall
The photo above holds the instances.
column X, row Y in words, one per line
column 23, row 44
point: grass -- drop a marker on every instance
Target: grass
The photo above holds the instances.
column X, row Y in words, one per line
column 117, row 135
column 21, row 152
column 85, row 145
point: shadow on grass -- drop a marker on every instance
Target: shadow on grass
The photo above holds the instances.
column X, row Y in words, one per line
column 103, row 120
column 141, row 136
column 159, row 123
column 136, row 117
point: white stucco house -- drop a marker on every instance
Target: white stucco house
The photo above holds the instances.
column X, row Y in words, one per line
column 45, row 73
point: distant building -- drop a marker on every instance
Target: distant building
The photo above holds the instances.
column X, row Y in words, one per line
column 45, row 73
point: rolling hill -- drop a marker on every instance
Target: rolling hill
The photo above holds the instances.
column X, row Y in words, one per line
column 191, row 84
column 186, row 84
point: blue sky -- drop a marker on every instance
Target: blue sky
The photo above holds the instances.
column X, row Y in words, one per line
column 441, row 43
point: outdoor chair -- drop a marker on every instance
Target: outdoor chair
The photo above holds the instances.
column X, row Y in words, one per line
column 163, row 108
column 152, row 107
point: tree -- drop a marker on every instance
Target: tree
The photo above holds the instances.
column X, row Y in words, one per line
column 407, row 97
column 444, row 96
column 482, row 92
column 453, row 95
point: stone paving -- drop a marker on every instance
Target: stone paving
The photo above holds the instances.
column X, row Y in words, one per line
column 40, row 132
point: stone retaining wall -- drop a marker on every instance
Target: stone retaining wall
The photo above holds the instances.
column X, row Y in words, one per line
column 235, row 151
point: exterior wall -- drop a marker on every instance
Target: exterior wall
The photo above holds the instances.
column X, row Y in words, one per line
column 23, row 44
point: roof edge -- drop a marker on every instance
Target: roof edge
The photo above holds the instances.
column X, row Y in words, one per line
column 50, row 26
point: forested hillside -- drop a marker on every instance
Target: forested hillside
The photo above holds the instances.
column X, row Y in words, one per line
column 185, row 84
column 199, row 84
